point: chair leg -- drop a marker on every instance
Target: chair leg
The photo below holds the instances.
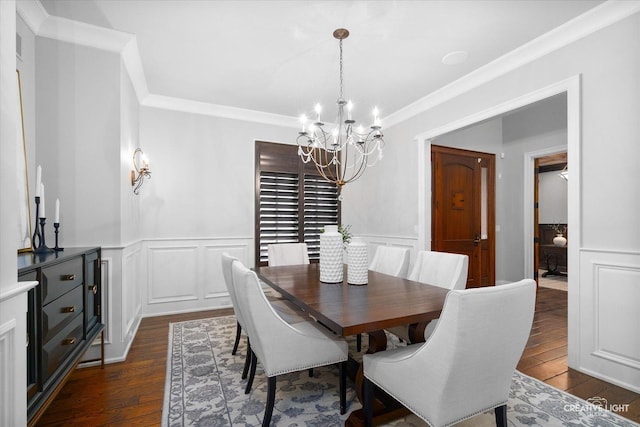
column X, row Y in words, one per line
column 368, row 402
column 252, row 374
column 501, row 416
column 271, row 398
column 235, row 345
column 247, row 360
column 359, row 343
column 343, row 387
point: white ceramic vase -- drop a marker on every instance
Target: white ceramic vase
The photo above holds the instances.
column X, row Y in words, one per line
column 560, row 240
column 331, row 268
column 358, row 263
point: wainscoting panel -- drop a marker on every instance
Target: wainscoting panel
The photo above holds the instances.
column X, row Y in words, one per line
column 609, row 316
column 185, row 275
column 214, row 285
column 131, row 295
column 13, row 353
column 373, row 241
column 173, row 274
column 7, row 372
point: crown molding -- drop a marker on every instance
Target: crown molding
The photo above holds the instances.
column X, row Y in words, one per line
column 133, row 65
column 82, row 34
column 45, row 25
column 215, row 110
column 32, row 13
column 599, row 17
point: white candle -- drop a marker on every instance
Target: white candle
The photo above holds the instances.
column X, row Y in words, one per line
column 303, row 120
column 57, row 220
column 349, row 108
column 42, row 214
column 38, row 180
column 318, row 109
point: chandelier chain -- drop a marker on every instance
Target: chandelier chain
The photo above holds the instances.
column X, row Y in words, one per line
column 341, row 79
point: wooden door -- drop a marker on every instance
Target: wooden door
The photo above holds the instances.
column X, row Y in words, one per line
column 463, row 207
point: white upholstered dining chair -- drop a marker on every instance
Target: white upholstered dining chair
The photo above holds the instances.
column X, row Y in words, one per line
column 282, row 347
column 287, row 254
column 391, row 260
column 466, row 366
column 285, row 309
column 442, row 269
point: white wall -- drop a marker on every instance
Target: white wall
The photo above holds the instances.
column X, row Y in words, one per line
column 78, row 144
column 129, row 140
column 552, row 199
column 540, row 126
column 198, row 204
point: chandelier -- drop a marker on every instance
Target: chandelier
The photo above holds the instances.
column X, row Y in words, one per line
column 341, row 151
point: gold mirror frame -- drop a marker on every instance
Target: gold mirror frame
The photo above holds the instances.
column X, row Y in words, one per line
column 24, row 229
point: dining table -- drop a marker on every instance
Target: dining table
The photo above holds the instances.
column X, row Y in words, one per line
column 384, row 302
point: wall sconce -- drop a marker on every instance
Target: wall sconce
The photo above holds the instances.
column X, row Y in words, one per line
column 141, row 165
column 565, row 173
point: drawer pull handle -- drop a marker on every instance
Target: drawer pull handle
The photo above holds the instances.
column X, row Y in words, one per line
column 68, row 309
column 94, row 289
column 68, row 277
column 69, row 341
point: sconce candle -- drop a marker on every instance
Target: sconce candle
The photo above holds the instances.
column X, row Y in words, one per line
column 57, row 217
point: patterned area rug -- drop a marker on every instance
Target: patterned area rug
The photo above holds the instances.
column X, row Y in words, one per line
column 204, row 388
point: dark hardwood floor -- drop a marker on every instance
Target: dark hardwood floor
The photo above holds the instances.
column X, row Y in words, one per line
column 130, row 393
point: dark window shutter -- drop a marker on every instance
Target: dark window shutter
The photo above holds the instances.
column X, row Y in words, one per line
column 292, row 203
column 278, row 213
column 320, row 209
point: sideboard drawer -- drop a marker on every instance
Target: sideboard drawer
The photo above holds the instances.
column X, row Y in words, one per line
column 57, row 314
column 60, row 278
column 58, row 347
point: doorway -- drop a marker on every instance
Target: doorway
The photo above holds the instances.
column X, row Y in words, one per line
column 463, row 209
column 550, row 221
column 571, row 87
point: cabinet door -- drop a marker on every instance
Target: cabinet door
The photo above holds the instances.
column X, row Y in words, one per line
column 92, row 290
column 32, row 336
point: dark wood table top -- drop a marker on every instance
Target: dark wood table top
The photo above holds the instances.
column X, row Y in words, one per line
column 386, row 301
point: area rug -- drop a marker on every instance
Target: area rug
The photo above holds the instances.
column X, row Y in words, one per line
column 204, row 388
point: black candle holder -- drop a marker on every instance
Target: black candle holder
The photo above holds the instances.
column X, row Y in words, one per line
column 37, row 237
column 42, row 246
column 56, row 225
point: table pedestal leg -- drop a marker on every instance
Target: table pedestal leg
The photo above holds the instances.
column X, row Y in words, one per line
column 383, row 409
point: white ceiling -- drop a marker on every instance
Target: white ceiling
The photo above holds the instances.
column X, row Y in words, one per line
column 280, row 56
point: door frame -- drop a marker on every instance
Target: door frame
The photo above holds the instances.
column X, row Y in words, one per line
column 529, row 189
column 570, row 86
